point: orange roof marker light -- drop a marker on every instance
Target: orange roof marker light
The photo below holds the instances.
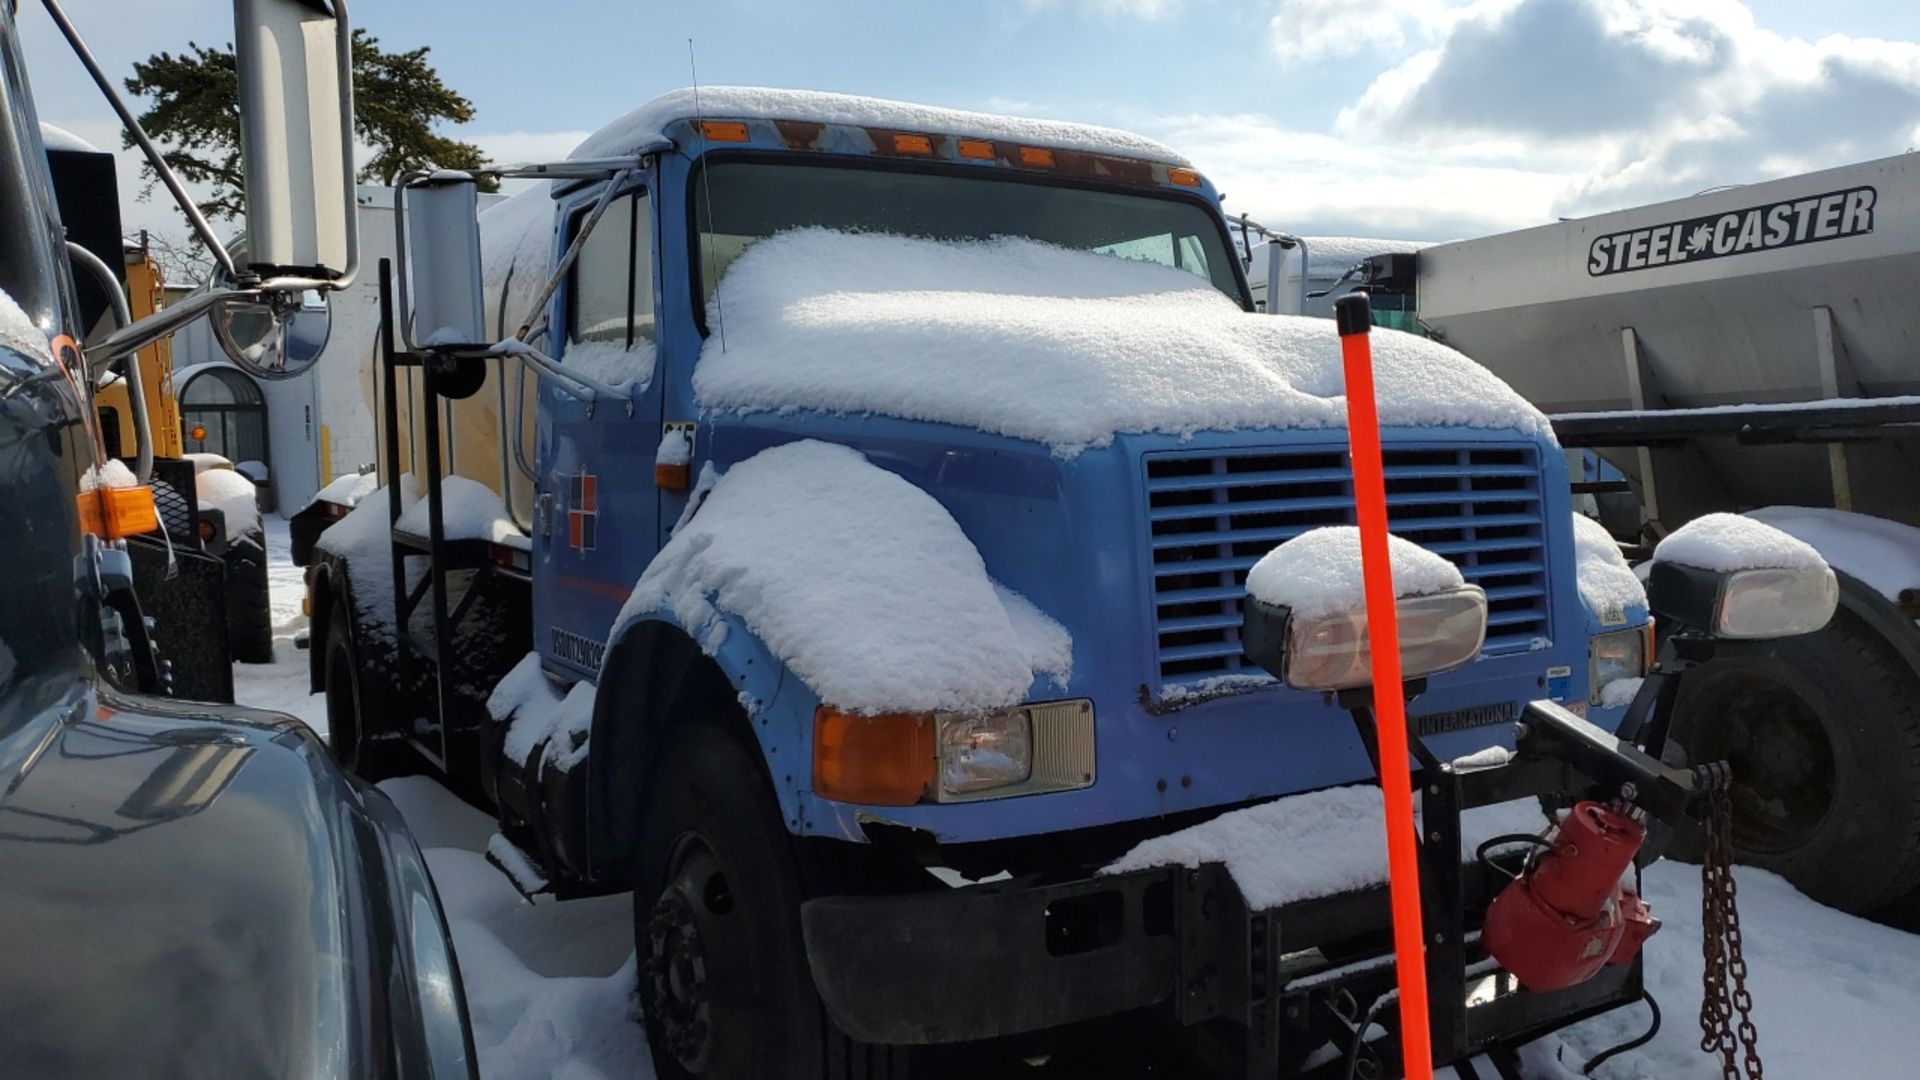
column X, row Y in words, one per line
column 1036, row 155
column 978, row 149
column 724, row 130
column 1184, row 177
column 912, row 144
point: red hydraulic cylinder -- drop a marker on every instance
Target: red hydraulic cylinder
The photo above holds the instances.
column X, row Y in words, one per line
column 1570, row 915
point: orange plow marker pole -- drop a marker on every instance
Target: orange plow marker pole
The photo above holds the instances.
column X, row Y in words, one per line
column 1355, row 319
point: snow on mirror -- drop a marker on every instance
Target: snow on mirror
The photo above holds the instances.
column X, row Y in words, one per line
column 276, row 339
column 1735, row 577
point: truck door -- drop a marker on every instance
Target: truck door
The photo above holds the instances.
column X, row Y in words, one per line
column 596, row 514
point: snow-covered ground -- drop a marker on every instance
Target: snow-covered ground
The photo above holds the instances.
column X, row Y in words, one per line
column 548, row 983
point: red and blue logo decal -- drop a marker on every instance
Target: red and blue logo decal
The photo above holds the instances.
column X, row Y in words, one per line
column 583, row 510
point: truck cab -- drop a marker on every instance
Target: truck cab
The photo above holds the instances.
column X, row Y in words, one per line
column 870, row 316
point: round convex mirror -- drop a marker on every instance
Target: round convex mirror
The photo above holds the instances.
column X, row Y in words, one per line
column 278, row 337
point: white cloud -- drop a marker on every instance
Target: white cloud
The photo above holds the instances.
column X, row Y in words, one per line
column 1637, row 100
column 1487, row 115
column 1319, row 183
column 1308, row 31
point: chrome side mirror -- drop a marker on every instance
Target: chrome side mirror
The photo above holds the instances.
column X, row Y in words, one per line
column 278, row 337
column 1737, row 578
column 294, row 62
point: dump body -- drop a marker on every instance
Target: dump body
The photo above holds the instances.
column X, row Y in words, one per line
column 1790, row 291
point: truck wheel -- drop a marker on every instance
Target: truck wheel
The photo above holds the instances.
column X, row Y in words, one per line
column 725, row 991
column 348, row 716
column 1823, row 732
column 249, row 607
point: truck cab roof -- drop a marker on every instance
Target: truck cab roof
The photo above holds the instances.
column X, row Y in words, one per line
column 800, row 114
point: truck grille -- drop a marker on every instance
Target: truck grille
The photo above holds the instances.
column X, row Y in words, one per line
column 1212, row 516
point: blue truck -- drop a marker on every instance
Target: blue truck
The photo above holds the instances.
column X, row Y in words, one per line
column 820, row 888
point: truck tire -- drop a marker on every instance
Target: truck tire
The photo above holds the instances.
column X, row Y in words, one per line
column 249, row 607
column 1823, row 732
column 725, row 991
column 349, row 716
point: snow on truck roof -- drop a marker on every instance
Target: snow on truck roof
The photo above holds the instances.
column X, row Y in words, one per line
column 647, row 124
column 1066, row 348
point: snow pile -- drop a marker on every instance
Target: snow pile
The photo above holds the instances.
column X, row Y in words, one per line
column 1833, row 995
column 1884, row 555
column 204, row 461
column 646, row 125
column 538, row 713
column 236, row 497
column 364, row 541
column 1312, row 845
column 549, row 985
column 1608, row 586
column 857, row 580
column 347, row 490
column 627, row 370
column 18, row 332
column 1723, row 543
column 1066, row 348
column 111, row 473
column 676, row 447
column 469, row 510
column 1318, row 572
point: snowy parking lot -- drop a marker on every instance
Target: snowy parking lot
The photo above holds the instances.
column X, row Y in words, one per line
column 548, row 983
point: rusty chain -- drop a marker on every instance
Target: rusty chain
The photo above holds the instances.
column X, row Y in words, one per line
column 1721, row 949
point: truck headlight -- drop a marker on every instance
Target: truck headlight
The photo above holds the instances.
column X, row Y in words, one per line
column 1332, row 651
column 1020, row 751
column 1621, row 654
column 980, row 752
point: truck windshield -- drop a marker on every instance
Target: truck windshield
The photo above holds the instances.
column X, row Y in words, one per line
column 753, row 199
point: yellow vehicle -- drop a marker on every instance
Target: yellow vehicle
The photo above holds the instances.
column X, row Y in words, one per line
column 145, row 288
column 233, row 532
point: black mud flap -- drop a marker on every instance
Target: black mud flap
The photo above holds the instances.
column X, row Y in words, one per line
column 189, row 613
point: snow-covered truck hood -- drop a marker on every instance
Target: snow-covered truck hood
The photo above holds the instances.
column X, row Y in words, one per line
column 1061, row 347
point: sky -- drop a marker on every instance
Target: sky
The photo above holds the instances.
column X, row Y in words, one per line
column 1416, row 119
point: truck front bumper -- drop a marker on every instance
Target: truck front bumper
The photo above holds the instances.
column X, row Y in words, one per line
column 1027, row 954
column 1021, row 956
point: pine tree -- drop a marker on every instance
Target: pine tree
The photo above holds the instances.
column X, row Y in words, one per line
column 195, row 117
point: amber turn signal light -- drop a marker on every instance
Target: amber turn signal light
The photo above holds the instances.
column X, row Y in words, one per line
column 114, row 513
column 883, row 760
column 724, row 131
column 912, row 144
column 1036, row 155
column 1184, row 177
column 978, row 149
column 672, row 477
